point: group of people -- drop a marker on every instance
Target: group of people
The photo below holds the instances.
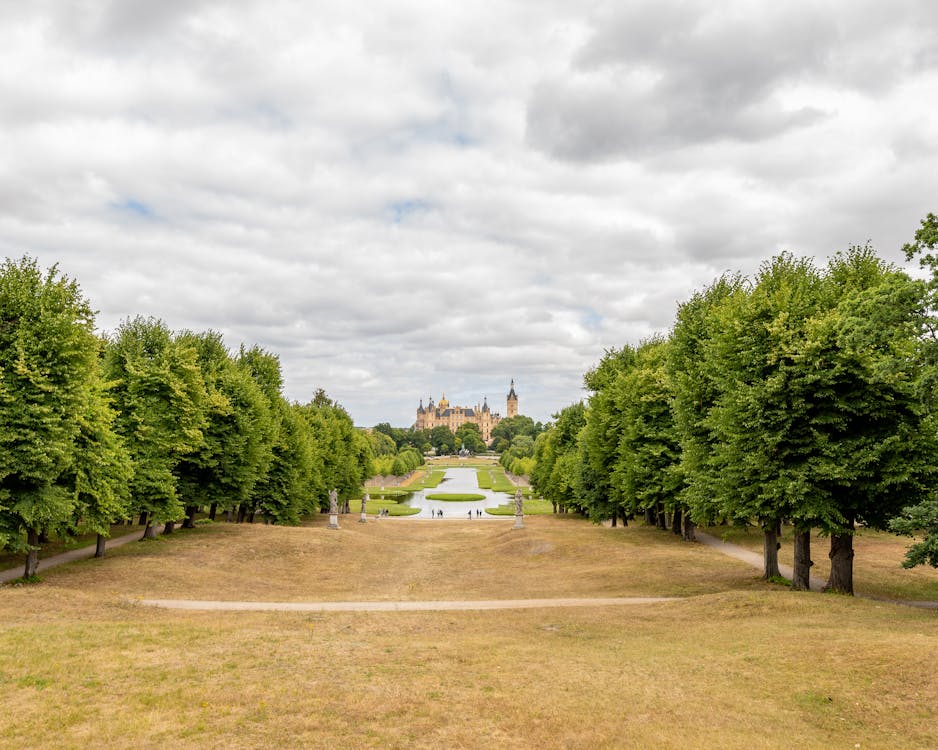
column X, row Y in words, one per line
column 439, row 513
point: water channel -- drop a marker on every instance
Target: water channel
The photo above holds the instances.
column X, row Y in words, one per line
column 459, row 481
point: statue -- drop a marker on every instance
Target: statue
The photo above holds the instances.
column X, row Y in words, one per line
column 333, row 502
column 333, row 510
column 365, row 499
column 519, row 510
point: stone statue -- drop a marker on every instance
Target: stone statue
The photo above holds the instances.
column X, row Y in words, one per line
column 519, row 510
column 365, row 499
column 333, row 510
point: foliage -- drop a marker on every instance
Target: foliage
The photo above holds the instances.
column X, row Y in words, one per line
column 645, row 472
column 50, row 404
column 161, row 400
column 919, row 519
column 508, row 430
column 469, row 436
column 555, row 452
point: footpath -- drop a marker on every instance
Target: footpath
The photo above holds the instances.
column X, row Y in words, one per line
column 749, row 557
column 82, row 553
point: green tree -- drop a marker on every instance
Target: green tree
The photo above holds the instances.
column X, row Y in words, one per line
column 160, row 398
column 48, row 375
column 510, row 428
column 556, row 467
column 919, row 519
column 469, row 435
column 237, row 437
column 602, row 433
column 442, row 440
column 101, row 470
column 696, row 388
column 874, row 431
column 761, row 415
column 646, row 467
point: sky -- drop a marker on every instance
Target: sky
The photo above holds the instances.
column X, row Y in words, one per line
column 402, row 199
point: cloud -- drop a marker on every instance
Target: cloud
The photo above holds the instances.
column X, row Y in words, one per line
column 410, row 198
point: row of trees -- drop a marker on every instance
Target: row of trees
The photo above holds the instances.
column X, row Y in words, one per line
column 149, row 423
column 803, row 395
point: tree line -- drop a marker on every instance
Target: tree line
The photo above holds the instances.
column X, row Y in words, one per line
column 803, row 395
column 149, row 423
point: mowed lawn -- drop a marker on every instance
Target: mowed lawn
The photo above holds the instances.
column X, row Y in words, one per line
column 736, row 663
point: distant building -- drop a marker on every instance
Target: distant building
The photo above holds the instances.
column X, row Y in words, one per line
column 435, row 415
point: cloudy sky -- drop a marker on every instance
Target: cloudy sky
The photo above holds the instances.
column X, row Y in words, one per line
column 403, row 198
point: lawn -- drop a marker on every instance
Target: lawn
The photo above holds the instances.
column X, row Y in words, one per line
column 735, row 664
column 530, row 506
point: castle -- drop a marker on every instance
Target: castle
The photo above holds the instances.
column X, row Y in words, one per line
column 443, row 414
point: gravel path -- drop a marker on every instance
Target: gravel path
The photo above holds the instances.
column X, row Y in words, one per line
column 399, row 606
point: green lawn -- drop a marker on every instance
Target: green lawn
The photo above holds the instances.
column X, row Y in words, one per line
column 531, row 506
column 456, row 497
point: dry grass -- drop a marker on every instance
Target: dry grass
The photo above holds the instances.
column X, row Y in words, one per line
column 877, row 566
column 737, row 665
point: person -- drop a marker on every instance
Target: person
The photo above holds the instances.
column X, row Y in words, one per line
column 440, row 512
column 470, row 515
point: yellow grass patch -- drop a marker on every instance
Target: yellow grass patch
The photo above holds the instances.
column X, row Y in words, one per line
column 738, row 664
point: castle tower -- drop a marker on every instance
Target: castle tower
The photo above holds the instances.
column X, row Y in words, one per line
column 512, row 401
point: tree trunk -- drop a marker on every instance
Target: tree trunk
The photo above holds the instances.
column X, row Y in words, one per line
column 242, row 513
column 770, row 553
column 801, row 579
column 150, row 531
column 211, row 511
column 100, row 545
column 614, row 514
column 650, row 516
column 841, row 555
column 143, row 519
column 32, row 554
column 254, row 512
column 169, row 528
column 661, row 517
column 189, row 523
column 229, row 515
column 688, row 531
column 676, row 521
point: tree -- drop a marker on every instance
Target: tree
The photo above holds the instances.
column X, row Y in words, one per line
column 101, row 470
column 696, row 388
column 237, row 437
column 469, row 436
column 645, row 469
column 160, row 398
column 599, row 441
column 556, row 467
column 876, row 442
column 919, row 519
column 48, row 376
column 760, row 418
column 505, row 432
column 442, row 440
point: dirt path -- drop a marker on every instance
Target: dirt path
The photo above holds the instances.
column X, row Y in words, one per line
column 398, row 606
column 81, row 553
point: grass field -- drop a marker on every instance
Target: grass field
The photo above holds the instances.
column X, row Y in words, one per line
column 878, row 556
column 530, row 506
column 736, row 664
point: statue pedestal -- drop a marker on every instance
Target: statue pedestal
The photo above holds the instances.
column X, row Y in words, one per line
column 519, row 522
column 333, row 521
column 363, row 519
